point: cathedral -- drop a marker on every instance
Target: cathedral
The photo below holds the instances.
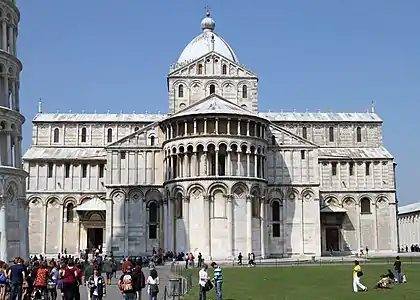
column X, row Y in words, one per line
column 213, row 175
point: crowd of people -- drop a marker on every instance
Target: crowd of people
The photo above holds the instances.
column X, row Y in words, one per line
column 40, row 278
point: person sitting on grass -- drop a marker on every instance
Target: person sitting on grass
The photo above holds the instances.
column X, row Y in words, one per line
column 386, row 281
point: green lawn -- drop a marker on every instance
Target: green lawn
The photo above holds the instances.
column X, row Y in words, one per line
column 308, row 283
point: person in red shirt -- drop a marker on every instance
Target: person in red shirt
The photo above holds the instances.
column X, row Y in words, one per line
column 41, row 280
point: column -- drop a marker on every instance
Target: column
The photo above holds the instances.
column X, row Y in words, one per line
column 3, row 229
column 153, row 167
column 217, row 125
column 18, row 162
column 238, row 169
column 228, row 164
column 161, row 224
column 136, row 166
column 61, row 228
column 248, row 224
column 14, row 103
column 239, row 127
column 217, row 162
column 172, row 223
column 119, row 167
column 248, row 164
column 187, row 221
column 229, row 215
column 205, row 163
column 8, row 148
column 165, row 225
column 228, row 126
column 126, row 226
column 11, row 46
column 262, row 226
column 4, row 36
column 44, row 226
column 186, row 165
column 247, row 128
column 108, row 226
column 6, row 86
column 205, row 126
column 195, row 127
column 255, row 165
column 185, row 128
column 26, row 228
column 206, row 234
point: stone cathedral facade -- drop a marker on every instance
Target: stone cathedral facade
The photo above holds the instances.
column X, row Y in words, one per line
column 13, row 204
column 214, row 175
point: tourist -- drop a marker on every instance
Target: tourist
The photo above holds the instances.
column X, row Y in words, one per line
column 41, row 280
column 87, row 273
column 107, row 266
column 96, row 284
column 218, row 280
column 203, row 282
column 3, row 280
column 153, row 285
column 386, row 281
column 139, row 281
column 16, row 276
column 126, row 284
column 70, row 281
column 357, row 274
column 52, row 285
column 398, row 272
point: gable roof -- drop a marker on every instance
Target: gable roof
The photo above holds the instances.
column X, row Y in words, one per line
column 296, row 137
column 214, row 104
column 178, row 66
column 141, row 130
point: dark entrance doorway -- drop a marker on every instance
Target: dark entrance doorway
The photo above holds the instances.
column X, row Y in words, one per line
column 332, row 237
column 95, row 237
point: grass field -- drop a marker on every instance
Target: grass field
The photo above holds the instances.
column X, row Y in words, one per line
column 308, row 283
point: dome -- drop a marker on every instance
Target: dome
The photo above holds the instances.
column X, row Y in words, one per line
column 203, row 44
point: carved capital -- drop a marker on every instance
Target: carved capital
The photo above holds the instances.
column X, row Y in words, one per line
column 187, row 199
column 165, row 200
column 229, row 197
column 206, row 198
column 249, row 198
column 172, row 199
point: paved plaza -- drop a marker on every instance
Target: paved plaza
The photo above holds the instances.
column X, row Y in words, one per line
column 113, row 293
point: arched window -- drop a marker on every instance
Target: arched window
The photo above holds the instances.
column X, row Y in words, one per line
column 212, row 89
column 200, row 69
column 224, row 69
column 153, row 212
column 153, row 221
column 331, row 134
column 152, row 140
column 2, row 125
column 365, row 206
column 359, row 134
column 70, row 212
column 83, row 138
column 255, row 207
column 178, row 207
column 273, row 140
column 109, row 135
column 180, row 91
column 244, row 91
column 56, row 135
column 304, row 132
column 275, row 218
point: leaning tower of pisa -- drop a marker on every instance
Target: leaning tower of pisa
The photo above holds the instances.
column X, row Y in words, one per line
column 13, row 208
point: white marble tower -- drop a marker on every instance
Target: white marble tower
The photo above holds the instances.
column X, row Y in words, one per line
column 13, row 208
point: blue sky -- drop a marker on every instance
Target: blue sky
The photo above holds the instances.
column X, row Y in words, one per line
column 309, row 55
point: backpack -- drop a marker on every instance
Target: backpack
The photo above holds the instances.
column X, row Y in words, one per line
column 3, row 279
column 154, row 289
column 127, row 283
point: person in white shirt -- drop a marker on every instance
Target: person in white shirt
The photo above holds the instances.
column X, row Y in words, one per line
column 152, row 283
column 203, row 277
